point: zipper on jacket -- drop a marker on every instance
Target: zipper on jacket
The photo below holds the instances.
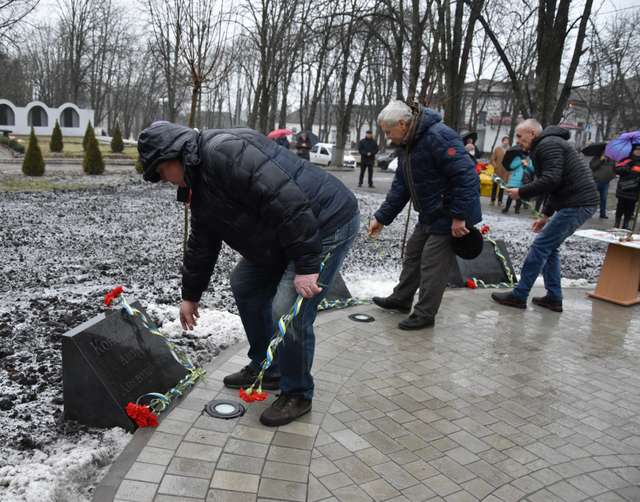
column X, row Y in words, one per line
column 409, row 177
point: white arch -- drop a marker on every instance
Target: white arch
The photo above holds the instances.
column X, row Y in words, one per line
column 34, row 104
column 61, row 110
column 13, row 110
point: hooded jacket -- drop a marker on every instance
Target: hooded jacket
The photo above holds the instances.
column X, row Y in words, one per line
column 629, row 183
column 562, row 174
column 437, row 174
column 262, row 200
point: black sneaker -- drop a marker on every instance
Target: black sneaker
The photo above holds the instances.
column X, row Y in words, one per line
column 509, row 300
column 414, row 322
column 246, row 376
column 371, row 186
column 548, row 302
column 387, row 303
column 285, row 410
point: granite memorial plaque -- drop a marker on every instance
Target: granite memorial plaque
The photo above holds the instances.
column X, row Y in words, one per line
column 338, row 290
column 486, row 267
column 110, row 361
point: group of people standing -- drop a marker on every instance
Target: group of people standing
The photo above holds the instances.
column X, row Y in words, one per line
column 628, row 189
column 516, row 169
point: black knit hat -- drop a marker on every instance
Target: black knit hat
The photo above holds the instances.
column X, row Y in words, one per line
column 469, row 246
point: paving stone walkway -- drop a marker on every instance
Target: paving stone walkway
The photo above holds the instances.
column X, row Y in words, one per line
column 493, row 404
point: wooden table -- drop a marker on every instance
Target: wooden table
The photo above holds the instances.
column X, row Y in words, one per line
column 619, row 280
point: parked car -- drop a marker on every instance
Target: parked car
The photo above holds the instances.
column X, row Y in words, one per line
column 384, row 158
column 322, row 154
column 351, row 159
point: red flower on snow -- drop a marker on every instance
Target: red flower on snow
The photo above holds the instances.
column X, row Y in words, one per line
column 142, row 415
column 471, row 284
column 112, row 295
column 484, row 229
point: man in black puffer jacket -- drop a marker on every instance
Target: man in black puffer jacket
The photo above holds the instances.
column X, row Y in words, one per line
column 564, row 177
column 293, row 225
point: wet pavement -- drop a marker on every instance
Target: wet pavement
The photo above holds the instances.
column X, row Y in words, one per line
column 492, row 404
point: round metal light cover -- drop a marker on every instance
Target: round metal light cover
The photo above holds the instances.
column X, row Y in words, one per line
column 361, row 318
column 224, row 409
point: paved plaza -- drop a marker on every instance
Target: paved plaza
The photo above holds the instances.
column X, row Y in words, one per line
column 493, row 404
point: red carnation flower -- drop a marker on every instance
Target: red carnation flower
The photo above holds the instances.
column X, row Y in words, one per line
column 259, row 396
column 112, row 295
column 471, row 284
column 484, row 230
column 247, row 397
column 142, row 415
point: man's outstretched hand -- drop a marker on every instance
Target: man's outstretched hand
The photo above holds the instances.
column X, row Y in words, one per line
column 188, row 314
column 375, row 227
column 459, row 228
column 307, row 285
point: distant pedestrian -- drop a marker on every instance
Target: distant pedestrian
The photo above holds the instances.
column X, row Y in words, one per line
column 506, row 143
column 498, row 170
column 565, row 178
column 521, row 169
column 283, row 142
column 368, row 148
column 603, row 170
column 303, row 146
column 470, row 148
column 628, row 187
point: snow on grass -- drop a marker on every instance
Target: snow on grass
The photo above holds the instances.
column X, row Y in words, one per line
column 65, row 471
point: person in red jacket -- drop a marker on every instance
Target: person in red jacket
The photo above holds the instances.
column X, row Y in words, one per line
column 628, row 187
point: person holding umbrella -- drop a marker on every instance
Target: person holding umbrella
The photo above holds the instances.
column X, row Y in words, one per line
column 628, row 188
column 280, row 137
column 303, row 146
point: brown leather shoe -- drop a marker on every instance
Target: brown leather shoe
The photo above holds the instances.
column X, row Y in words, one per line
column 509, row 300
column 548, row 303
column 285, row 410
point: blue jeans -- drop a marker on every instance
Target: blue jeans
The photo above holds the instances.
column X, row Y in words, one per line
column 603, row 190
column 263, row 294
column 543, row 255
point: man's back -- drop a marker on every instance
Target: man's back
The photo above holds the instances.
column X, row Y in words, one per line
column 561, row 172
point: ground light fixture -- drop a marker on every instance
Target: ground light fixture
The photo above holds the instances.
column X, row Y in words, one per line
column 225, row 409
column 361, row 318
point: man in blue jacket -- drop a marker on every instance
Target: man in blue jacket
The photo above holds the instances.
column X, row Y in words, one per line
column 437, row 175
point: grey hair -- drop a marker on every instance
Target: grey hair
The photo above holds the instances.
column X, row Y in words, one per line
column 394, row 112
column 531, row 124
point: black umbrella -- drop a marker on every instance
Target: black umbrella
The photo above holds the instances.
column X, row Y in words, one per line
column 472, row 135
column 510, row 154
column 313, row 139
column 594, row 149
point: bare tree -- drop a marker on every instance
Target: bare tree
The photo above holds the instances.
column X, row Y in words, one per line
column 166, row 20
column 13, row 12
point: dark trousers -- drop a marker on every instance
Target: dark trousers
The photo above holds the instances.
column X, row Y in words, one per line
column 263, row 294
column 624, row 212
column 508, row 204
column 427, row 260
column 364, row 167
column 603, row 190
column 498, row 192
